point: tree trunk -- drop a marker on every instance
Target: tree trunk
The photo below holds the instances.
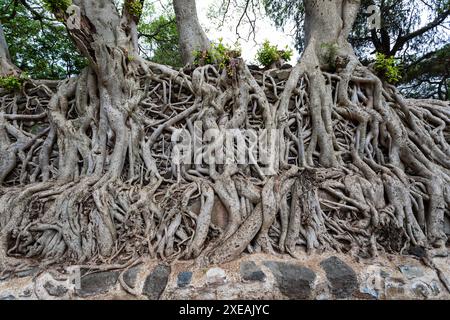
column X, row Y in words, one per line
column 192, row 36
column 91, row 173
column 6, row 66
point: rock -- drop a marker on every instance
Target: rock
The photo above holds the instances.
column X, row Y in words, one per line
column 130, row 276
column 216, row 276
column 184, row 279
column 156, row 282
column 384, row 274
column 253, row 67
column 394, row 290
column 369, row 292
column 97, row 283
column 251, row 272
column 26, row 293
column 435, row 287
column 417, row 251
column 55, row 290
column 27, row 273
column 421, row 289
column 283, row 74
column 342, row 278
column 411, row 272
column 286, row 66
column 363, row 295
column 295, row 282
column 8, row 297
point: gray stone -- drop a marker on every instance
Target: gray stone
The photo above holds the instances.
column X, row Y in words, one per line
column 216, row 276
column 286, row 66
column 417, row 251
column 411, row 272
column 295, row 282
column 184, row 279
column 384, row 274
column 435, row 287
column 55, row 290
column 251, row 272
column 156, row 282
column 283, row 74
column 130, row 276
column 342, row 278
column 26, row 293
column 421, row 290
column 254, row 67
column 97, row 283
column 369, row 292
column 394, row 290
column 27, row 273
column 8, row 297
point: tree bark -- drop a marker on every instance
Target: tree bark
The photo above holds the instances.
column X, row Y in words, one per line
column 357, row 168
column 192, row 36
column 6, row 66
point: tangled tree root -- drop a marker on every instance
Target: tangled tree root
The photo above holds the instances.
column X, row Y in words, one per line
column 358, row 168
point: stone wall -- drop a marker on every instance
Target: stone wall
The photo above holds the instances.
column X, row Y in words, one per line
column 255, row 276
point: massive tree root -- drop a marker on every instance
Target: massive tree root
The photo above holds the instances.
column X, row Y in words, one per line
column 357, row 168
column 89, row 170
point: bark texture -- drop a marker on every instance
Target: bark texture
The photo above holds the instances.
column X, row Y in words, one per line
column 87, row 173
column 192, row 36
column 6, row 67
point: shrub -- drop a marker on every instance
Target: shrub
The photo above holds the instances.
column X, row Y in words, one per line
column 329, row 53
column 12, row 83
column 218, row 54
column 269, row 54
column 134, row 7
column 388, row 68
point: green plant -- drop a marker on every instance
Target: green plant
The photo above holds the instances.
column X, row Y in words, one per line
column 387, row 67
column 269, row 54
column 218, row 54
column 54, row 5
column 13, row 83
column 329, row 53
column 134, row 7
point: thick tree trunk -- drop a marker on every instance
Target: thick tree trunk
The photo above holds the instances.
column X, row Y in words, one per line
column 6, row 66
column 356, row 168
column 192, row 36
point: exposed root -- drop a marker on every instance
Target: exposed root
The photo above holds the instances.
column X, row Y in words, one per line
column 87, row 176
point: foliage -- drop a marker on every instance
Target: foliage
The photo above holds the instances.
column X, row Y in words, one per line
column 40, row 48
column 329, row 53
column 388, row 68
column 429, row 75
column 134, row 7
column 269, row 54
column 13, row 83
column 219, row 54
column 54, row 5
column 159, row 41
column 399, row 19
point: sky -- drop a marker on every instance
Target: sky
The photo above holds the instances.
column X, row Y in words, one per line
column 265, row 29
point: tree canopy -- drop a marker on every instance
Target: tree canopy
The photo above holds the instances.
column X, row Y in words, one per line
column 39, row 44
column 415, row 32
